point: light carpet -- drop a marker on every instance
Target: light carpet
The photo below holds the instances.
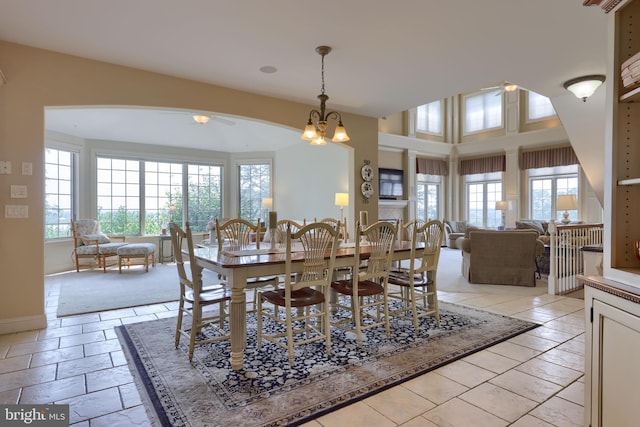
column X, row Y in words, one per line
column 90, row 291
column 267, row 392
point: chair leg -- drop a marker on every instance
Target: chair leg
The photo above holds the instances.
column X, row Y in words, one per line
column 179, row 322
column 259, row 325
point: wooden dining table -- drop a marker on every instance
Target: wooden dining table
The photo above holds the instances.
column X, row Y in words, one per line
column 238, row 266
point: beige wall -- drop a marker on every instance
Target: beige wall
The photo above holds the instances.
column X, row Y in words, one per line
column 39, row 78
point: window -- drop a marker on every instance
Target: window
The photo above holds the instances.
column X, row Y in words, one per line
column 128, row 187
column 162, row 188
column 483, row 191
column 539, row 107
column 204, row 195
column 255, row 183
column 482, row 111
column 118, row 195
column 428, row 197
column 59, row 184
column 545, row 185
column 429, row 118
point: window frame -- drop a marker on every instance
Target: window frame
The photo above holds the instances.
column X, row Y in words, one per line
column 74, row 166
column 554, row 174
column 485, row 132
column 254, row 202
column 491, row 217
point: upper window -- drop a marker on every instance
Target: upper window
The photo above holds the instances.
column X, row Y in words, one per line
column 483, row 111
column 59, row 185
column 255, row 184
column 429, row 118
column 539, row 107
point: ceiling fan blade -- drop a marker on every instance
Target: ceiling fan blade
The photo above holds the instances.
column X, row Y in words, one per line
column 223, row 120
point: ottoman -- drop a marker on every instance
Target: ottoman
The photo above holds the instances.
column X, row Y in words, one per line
column 144, row 251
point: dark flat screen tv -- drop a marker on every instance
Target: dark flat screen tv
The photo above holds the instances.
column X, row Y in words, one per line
column 390, row 183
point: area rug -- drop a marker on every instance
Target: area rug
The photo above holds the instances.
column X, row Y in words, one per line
column 267, row 392
column 91, row 291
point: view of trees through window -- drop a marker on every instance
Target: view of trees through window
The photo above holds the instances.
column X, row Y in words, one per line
column 428, row 197
column 545, row 185
column 255, row 184
column 58, row 192
column 122, row 196
column 483, row 191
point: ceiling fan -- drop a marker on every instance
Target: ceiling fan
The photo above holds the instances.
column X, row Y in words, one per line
column 203, row 119
column 504, row 87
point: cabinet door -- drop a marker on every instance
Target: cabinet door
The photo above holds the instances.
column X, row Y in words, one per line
column 615, row 381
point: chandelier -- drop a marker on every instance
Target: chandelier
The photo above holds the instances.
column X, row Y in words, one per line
column 316, row 132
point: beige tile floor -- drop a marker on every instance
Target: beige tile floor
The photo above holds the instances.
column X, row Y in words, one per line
column 534, row 379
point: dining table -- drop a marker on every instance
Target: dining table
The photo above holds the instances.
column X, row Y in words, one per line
column 239, row 265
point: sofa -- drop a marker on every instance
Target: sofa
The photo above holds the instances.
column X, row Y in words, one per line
column 501, row 257
column 541, row 226
column 453, row 231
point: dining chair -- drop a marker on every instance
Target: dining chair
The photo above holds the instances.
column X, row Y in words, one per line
column 340, row 225
column 367, row 289
column 239, row 234
column 417, row 283
column 281, row 229
column 305, row 295
column 194, row 296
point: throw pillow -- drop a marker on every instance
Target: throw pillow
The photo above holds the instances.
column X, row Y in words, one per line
column 89, row 239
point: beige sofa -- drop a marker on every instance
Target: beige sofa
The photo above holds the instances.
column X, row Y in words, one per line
column 501, row 257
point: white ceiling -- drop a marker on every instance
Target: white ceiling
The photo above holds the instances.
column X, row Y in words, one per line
column 387, row 56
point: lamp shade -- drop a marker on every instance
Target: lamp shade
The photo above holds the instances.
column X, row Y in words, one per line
column 342, row 199
column 502, row 205
column 583, row 87
column 267, row 202
column 567, row 202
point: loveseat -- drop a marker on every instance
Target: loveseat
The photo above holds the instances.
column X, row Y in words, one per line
column 501, row 257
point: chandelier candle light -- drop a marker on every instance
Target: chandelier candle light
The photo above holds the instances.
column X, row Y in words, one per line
column 316, row 132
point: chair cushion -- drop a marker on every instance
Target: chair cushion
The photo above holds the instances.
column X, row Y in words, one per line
column 401, row 277
column 105, row 249
column 299, row 298
column 89, row 239
column 540, row 226
column 136, row 249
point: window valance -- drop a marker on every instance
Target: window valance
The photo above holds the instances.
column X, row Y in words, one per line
column 432, row 167
column 483, row 165
column 547, row 158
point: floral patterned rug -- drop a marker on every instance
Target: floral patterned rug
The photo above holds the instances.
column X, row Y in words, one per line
column 267, row 392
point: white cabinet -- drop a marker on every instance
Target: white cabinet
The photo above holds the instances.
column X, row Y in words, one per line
column 612, row 339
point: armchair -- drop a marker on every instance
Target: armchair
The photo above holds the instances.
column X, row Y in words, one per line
column 90, row 243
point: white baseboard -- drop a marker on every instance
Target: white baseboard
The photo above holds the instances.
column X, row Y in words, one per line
column 20, row 324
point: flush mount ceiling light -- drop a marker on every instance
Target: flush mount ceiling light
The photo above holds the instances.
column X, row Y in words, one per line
column 315, row 132
column 584, row 87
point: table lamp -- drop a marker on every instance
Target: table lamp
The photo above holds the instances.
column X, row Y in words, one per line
column 342, row 200
column 566, row 203
column 502, row 206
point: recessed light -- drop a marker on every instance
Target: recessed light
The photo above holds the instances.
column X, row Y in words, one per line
column 268, row 69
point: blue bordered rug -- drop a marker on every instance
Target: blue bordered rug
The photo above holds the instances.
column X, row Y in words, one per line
column 267, row 392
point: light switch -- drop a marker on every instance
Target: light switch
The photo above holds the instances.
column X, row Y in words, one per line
column 5, row 167
column 18, row 191
column 16, row 211
column 27, row 168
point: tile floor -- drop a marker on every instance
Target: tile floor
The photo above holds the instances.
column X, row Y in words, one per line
column 534, row 379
